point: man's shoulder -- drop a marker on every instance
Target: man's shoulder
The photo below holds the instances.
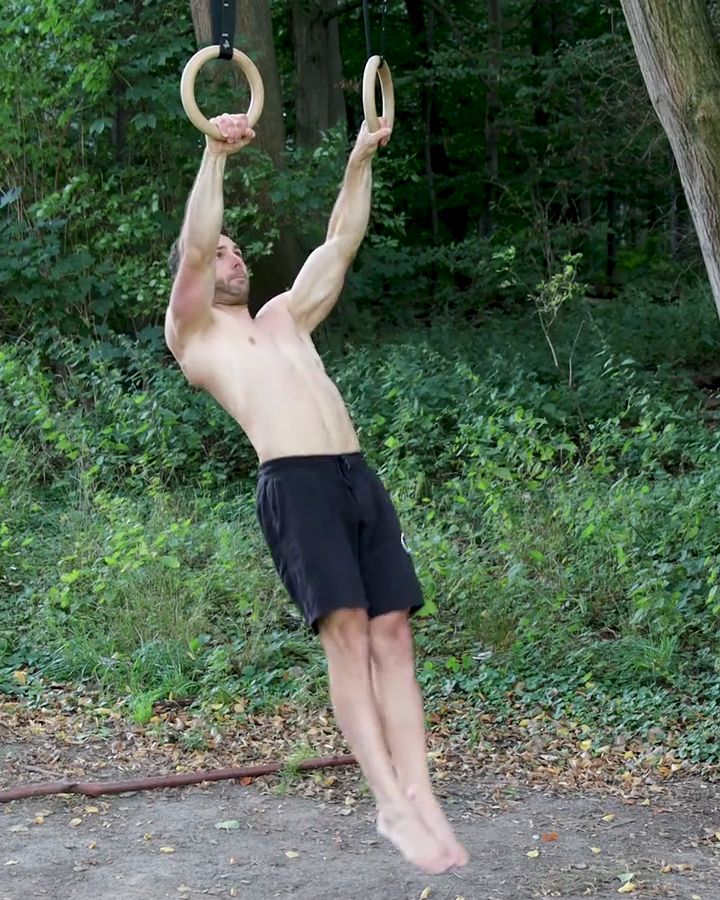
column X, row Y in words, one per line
column 179, row 336
column 278, row 314
column 276, row 306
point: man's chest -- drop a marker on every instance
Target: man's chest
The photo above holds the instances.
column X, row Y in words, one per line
column 230, row 357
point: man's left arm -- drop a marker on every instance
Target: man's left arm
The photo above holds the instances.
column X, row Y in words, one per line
column 320, row 281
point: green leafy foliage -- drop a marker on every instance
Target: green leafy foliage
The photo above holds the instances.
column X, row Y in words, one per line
column 98, row 158
column 558, row 529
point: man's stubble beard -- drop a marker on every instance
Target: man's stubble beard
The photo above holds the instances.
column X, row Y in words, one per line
column 234, row 293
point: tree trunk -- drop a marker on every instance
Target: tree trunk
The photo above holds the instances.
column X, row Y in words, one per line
column 319, row 103
column 680, row 62
column 611, row 237
column 492, row 108
column 454, row 217
column 416, row 17
column 120, row 123
column 254, row 36
column 537, row 48
column 678, row 220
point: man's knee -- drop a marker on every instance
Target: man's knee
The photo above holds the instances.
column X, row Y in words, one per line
column 391, row 640
column 345, row 633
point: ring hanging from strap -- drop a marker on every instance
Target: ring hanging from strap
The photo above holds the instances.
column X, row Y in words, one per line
column 375, row 68
column 187, row 89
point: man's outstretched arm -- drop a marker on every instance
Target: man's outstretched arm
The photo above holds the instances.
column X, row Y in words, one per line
column 320, row 281
column 194, row 286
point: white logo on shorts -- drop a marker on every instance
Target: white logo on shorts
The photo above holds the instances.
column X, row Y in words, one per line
column 403, row 541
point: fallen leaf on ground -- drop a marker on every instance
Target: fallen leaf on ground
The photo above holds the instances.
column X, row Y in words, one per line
column 533, row 854
column 628, row 888
column 65, row 721
column 229, row 825
column 550, row 836
column 291, row 854
column 167, row 849
column 75, row 822
column 12, row 862
column 426, row 893
column 596, row 849
column 609, row 817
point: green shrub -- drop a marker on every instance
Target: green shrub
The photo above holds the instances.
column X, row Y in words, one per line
column 569, row 528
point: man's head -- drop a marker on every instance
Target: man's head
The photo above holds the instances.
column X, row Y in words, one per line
column 232, row 284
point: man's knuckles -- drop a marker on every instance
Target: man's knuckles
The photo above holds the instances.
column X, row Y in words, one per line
column 234, row 129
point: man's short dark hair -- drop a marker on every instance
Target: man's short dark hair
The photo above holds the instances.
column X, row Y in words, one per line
column 174, row 258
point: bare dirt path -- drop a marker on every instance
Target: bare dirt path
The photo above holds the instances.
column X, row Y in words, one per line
column 523, row 844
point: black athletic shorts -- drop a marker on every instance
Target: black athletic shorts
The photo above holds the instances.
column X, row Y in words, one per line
column 334, row 536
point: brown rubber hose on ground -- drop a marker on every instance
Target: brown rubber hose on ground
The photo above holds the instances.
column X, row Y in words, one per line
column 96, row 788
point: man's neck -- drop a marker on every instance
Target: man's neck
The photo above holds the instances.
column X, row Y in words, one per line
column 227, row 301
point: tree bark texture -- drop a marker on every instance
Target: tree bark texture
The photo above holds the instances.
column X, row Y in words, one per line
column 319, row 102
column 680, row 62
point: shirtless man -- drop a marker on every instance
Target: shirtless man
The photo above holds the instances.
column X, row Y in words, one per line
column 331, row 527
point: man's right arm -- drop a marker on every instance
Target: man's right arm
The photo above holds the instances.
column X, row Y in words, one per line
column 194, row 286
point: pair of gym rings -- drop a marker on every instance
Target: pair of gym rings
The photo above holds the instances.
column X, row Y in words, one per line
column 375, row 68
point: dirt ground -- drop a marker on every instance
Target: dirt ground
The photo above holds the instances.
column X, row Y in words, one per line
column 522, row 843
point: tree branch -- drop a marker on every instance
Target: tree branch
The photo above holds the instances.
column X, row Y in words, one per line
column 340, row 10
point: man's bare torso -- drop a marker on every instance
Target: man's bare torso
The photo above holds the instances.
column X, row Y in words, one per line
column 269, row 377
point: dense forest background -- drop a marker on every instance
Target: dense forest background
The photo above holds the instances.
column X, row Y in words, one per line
column 523, row 128
column 527, row 343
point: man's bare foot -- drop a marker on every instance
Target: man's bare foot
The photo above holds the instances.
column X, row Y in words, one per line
column 437, row 823
column 402, row 827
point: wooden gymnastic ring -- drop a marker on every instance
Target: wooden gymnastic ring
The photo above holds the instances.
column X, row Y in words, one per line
column 187, row 89
column 376, row 67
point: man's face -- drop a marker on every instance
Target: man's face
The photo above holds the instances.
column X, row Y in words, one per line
column 232, row 285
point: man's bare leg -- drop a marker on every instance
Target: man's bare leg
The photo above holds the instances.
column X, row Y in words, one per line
column 345, row 637
column 402, row 716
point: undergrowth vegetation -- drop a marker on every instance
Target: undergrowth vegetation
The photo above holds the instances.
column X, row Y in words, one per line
column 560, row 487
